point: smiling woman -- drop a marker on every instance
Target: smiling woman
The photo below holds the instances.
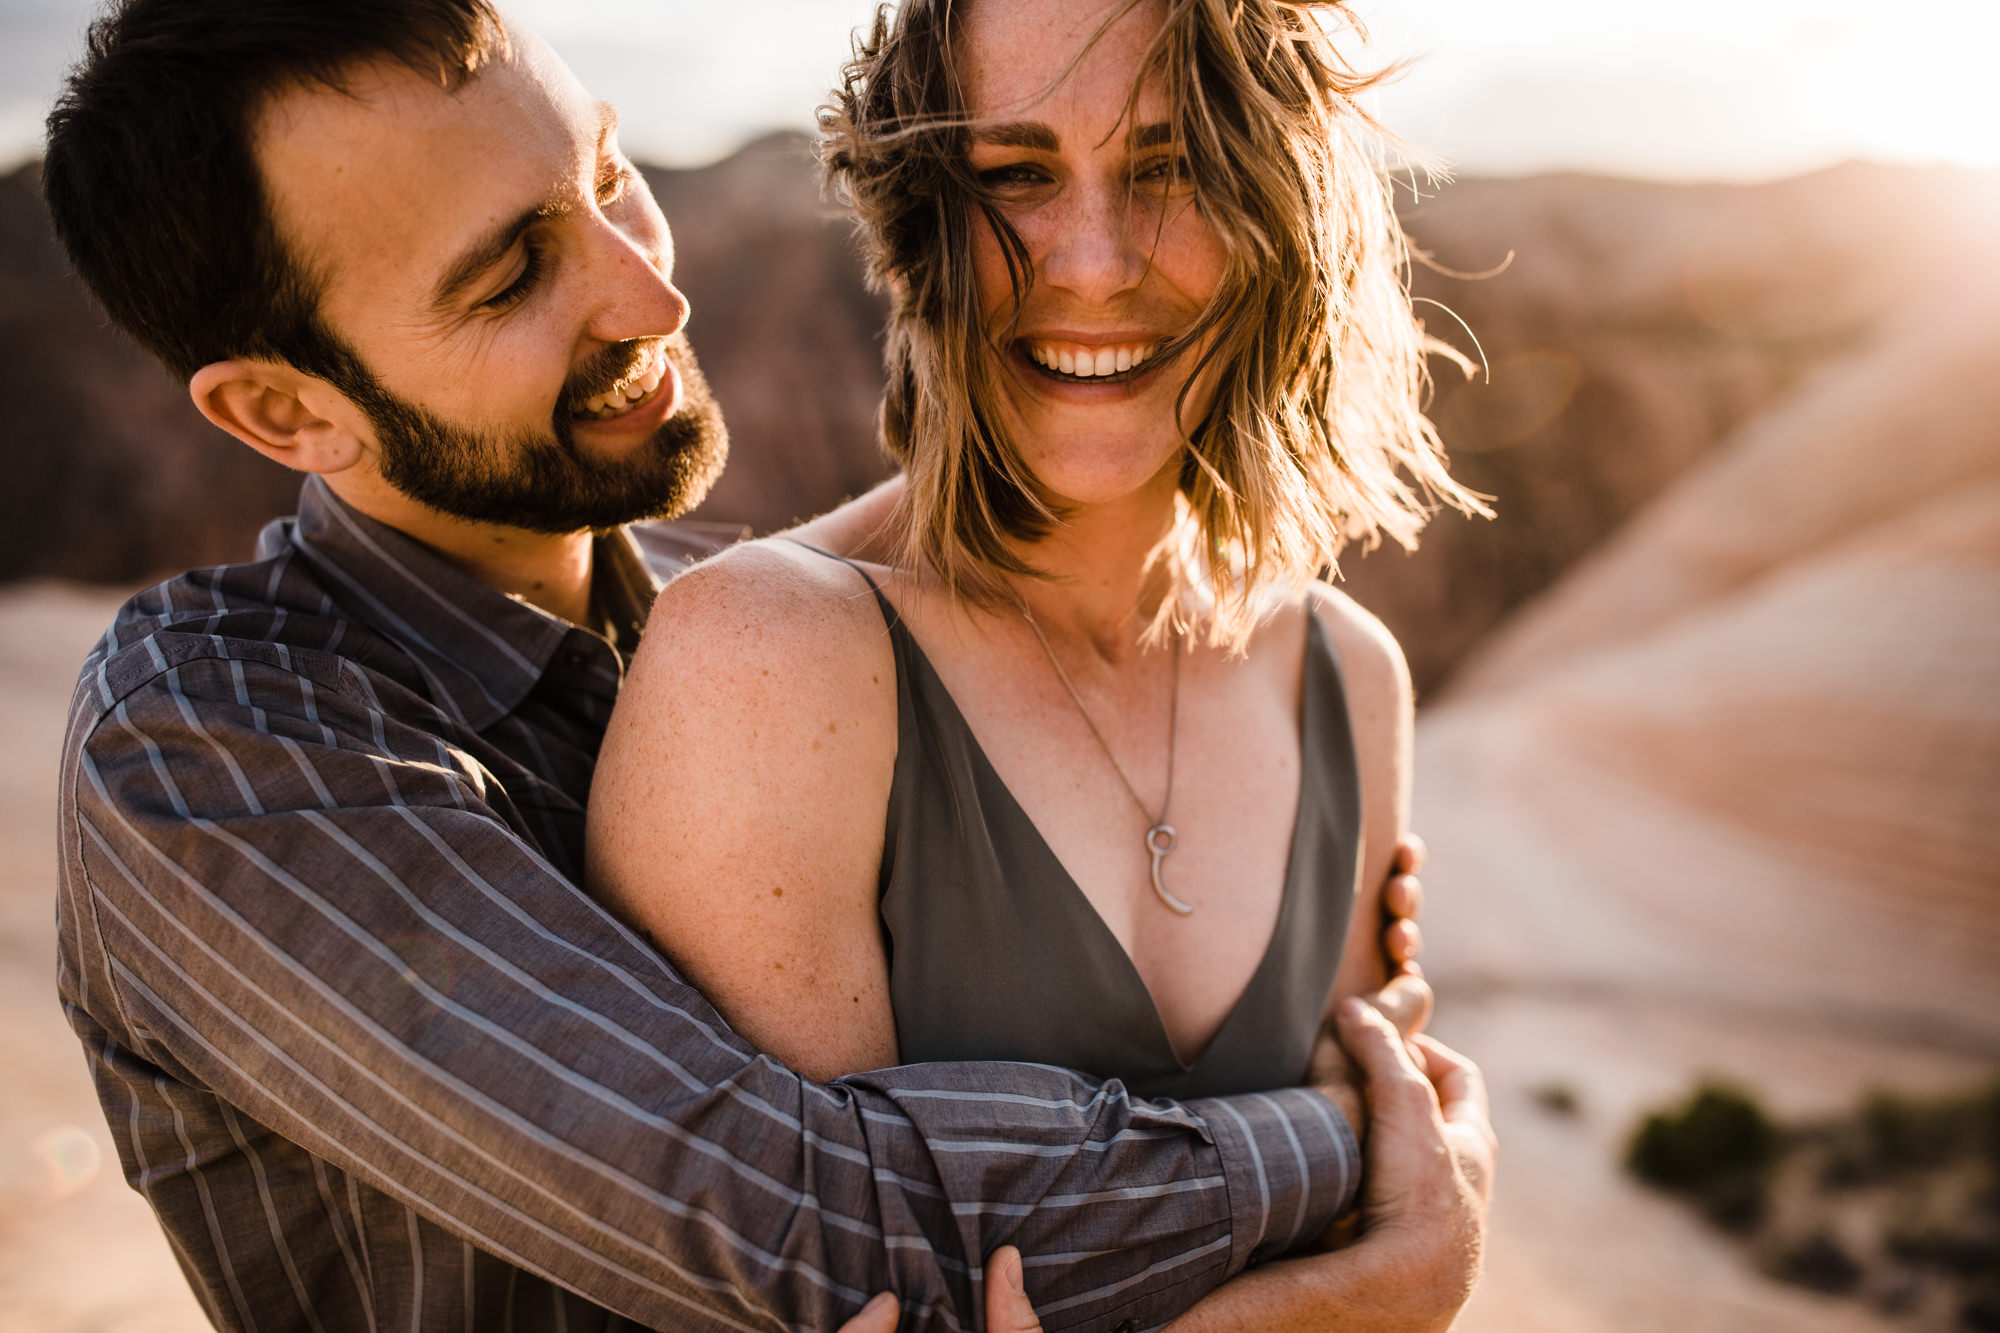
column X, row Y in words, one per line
column 1090, row 770
column 1245, row 164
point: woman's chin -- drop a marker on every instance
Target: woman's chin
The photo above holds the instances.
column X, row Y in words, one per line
column 1091, row 469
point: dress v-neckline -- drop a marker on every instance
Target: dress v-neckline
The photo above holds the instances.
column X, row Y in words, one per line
column 1078, row 901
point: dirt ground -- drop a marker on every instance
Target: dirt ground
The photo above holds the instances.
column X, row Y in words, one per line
column 78, row 1249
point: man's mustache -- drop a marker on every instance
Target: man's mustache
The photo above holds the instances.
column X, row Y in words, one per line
column 609, row 368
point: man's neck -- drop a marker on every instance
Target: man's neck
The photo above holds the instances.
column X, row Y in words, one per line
column 552, row 572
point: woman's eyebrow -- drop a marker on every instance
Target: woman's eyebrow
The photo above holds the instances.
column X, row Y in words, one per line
column 1018, row 134
column 1034, row 134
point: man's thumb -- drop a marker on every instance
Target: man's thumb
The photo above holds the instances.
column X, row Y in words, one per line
column 1007, row 1307
column 1375, row 1045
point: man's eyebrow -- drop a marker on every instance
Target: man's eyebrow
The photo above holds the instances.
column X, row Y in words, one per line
column 492, row 247
column 489, row 250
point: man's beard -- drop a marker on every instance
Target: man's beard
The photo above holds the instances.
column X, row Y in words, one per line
column 541, row 481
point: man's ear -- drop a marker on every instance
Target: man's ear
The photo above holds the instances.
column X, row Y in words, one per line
column 282, row 413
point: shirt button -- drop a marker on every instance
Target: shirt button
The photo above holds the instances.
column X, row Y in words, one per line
column 576, row 659
column 1129, row 1326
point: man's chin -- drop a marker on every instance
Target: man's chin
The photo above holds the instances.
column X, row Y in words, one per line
column 696, row 463
column 545, row 483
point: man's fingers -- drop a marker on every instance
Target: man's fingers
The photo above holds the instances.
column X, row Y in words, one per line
column 1461, row 1088
column 878, row 1316
column 1406, row 1002
column 1461, row 1091
column 1007, row 1307
column 1384, row 1057
column 1410, row 854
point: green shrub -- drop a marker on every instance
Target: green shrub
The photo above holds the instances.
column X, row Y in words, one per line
column 1718, row 1148
column 1818, row 1261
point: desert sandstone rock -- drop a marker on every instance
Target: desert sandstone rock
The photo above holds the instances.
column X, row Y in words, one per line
column 1727, row 799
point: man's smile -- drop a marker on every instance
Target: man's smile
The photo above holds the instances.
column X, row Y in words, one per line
column 635, row 390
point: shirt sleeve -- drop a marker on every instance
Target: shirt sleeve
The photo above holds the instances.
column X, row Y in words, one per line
column 281, row 894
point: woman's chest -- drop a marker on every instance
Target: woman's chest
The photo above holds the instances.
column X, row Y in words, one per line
column 1182, row 795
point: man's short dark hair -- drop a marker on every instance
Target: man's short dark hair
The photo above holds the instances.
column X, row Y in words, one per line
column 151, row 175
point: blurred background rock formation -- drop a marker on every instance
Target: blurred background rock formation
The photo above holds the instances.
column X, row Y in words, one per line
column 1709, row 756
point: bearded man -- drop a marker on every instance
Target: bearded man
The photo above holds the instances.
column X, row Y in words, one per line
column 364, row 1045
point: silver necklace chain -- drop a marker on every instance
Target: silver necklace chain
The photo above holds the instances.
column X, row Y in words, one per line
column 1160, row 836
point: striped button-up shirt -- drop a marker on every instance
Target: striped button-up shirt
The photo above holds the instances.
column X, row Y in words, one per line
column 377, row 1061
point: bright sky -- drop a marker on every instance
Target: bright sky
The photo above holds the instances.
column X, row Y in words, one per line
column 1738, row 89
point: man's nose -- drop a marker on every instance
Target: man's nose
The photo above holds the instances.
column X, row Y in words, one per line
column 633, row 288
column 1093, row 254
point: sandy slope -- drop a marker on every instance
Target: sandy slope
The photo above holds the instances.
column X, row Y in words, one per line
column 78, row 1249
column 1728, row 799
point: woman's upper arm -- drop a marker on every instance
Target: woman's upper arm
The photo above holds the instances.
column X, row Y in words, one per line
column 738, row 807
column 1381, row 711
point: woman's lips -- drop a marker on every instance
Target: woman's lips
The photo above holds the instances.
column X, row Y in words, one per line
column 1092, row 364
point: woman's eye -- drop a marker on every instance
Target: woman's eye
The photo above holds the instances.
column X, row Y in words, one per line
column 524, row 283
column 1012, row 176
column 1170, row 171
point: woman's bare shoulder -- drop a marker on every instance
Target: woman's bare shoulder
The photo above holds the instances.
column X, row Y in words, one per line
column 1372, row 665
column 758, row 669
column 764, row 620
column 737, row 812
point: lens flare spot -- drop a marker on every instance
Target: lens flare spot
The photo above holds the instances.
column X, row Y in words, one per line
column 71, row 1158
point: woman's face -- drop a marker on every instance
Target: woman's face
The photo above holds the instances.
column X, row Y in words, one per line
column 1123, row 260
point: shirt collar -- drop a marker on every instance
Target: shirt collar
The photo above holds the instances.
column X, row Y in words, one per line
column 482, row 650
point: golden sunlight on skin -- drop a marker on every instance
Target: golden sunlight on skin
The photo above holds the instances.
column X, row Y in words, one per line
column 1122, row 257
column 520, row 135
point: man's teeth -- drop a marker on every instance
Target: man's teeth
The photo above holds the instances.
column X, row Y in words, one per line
column 633, row 389
column 1089, row 362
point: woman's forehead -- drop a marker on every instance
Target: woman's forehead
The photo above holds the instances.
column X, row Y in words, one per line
column 1011, row 53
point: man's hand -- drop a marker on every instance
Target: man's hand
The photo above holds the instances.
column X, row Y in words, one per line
column 1007, row 1307
column 1424, row 1200
column 1429, row 1182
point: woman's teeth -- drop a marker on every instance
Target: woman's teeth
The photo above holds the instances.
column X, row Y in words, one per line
column 630, row 391
column 1082, row 362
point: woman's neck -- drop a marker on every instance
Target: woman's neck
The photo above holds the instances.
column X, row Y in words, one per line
column 1102, row 583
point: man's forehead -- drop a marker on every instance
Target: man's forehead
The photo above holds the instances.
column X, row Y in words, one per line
column 381, row 180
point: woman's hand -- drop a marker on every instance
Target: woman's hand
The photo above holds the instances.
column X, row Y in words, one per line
column 1007, row 1307
column 1405, row 1000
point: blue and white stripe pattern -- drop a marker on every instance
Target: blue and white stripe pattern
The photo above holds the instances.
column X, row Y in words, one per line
column 378, row 1063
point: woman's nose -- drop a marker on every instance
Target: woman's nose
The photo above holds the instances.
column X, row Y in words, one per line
column 1089, row 249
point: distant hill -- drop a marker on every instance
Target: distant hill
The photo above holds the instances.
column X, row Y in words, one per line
column 1636, row 326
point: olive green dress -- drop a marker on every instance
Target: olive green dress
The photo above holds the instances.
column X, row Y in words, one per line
column 995, row 954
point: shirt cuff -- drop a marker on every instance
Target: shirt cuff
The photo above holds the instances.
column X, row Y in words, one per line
column 1291, row 1165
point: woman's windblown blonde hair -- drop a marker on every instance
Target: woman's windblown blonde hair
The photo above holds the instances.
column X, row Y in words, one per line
column 1316, row 437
